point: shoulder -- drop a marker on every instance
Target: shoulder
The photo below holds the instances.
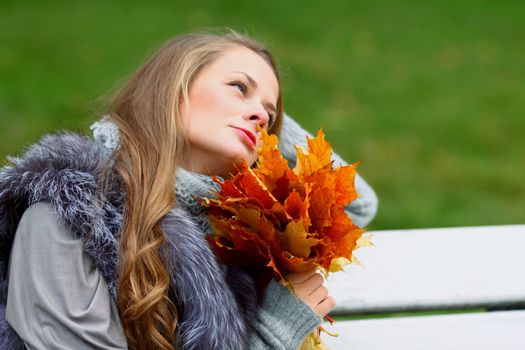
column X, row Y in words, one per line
column 63, row 169
column 58, row 168
column 64, row 150
column 41, row 212
column 40, row 227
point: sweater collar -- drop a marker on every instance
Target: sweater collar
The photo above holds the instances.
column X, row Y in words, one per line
column 189, row 185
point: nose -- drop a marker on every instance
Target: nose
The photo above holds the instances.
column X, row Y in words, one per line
column 258, row 115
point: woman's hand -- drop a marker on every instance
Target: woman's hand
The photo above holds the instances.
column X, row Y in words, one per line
column 309, row 287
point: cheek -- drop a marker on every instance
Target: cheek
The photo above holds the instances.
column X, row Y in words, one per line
column 209, row 101
column 198, row 115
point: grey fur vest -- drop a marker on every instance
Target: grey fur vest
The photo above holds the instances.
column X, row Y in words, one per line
column 216, row 302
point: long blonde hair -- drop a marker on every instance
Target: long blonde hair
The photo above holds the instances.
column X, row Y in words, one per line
column 152, row 146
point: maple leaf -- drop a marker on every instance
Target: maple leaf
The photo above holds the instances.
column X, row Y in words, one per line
column 297, row 240
column 344, row 183
column 287, row 220
column 271, row 165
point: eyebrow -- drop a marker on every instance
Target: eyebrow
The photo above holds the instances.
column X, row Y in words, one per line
column 253, row 83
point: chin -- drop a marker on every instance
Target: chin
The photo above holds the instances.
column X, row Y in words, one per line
column 237, row 155
column 235, row 165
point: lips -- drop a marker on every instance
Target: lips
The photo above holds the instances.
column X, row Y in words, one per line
column 248, row 136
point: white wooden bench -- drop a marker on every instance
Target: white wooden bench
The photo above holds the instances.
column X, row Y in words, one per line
column 434, row 269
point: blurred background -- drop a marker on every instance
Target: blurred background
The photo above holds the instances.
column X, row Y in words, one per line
column 428, row 96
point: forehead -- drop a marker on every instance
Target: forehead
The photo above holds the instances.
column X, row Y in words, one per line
column 241, row 59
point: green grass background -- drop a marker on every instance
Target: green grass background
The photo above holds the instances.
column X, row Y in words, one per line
column 429, row 96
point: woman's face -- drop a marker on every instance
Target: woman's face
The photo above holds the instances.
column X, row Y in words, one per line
column 227, row 100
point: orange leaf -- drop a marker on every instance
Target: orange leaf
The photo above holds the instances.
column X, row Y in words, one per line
column 294, row 205
column 286, row 220
column 344, row 184
column 320, row 148
column 254, row 188
column 271, row 163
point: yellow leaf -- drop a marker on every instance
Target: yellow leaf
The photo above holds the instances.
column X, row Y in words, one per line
column 332, row 334
column 364, row 241
column 296, row 240
column 337, row 264
column 355, row 261
column 311, row 342
column 252, row 217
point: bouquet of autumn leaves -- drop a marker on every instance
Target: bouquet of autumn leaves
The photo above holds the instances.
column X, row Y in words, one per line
column 286, row 220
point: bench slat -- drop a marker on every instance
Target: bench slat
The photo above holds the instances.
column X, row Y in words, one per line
column 480, row 331
column 434, row 269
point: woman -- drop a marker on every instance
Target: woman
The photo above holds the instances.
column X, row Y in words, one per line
column 103, row 250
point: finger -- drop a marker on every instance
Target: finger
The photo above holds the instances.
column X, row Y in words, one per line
column 300, row 277
column 303, row 290
column 318, row 295
column 323, row 308
column 313, row 282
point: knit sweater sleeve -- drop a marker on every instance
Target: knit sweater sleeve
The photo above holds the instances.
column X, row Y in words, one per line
column 361, row 210
column 283, row 321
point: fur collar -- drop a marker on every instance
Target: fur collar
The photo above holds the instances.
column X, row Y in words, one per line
column 217, row 302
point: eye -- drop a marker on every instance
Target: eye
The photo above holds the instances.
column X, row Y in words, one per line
column 240, row 85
